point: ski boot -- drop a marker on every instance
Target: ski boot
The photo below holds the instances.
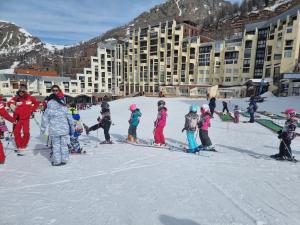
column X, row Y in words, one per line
column 86, row 128
column 130, row 138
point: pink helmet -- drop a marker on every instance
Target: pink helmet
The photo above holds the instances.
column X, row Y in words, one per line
column 132, row 107
column 290, row 112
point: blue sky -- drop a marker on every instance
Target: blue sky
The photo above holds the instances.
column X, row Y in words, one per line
column 70, row 21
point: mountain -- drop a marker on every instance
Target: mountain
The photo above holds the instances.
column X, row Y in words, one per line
column 216, row 18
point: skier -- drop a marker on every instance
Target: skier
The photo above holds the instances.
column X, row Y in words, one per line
column 191, row 121
column 103, row 122
column 212, row 106
column 225, row 107
column 252, row 109
column 133, row 123
column 6, row 116
column 236, row 114
column 60, row 123
column 74, row 146
column 23, row 105
column 160, row 124
column 204, row 124
column 286, row 135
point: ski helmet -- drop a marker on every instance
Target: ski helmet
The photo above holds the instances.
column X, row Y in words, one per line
column 161, row 103
column 205, row 107
column 104, row 105
column 76, row 116
column 193, row 108
column 132, row 107
column 290, row 112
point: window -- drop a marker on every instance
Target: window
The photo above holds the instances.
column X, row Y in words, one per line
column 287, row 54
column 227, row 79
column 228, row 70
column 248, row 44
column 5, row 85
column 289, row 30
column 268, row 72
column 246, row 70
column 277, row 56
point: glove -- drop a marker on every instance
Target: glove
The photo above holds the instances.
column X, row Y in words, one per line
column 183, row 130
column 98, row 119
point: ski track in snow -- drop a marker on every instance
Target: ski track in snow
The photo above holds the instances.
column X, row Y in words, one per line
column 134, row 185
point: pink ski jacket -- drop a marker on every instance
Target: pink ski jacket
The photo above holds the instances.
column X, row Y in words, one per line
column 161, row 118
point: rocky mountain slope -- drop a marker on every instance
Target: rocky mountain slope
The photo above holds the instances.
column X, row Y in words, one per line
column 212, row 16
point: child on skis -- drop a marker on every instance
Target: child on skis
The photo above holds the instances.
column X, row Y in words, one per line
column 133, row 123
column 191, row 121
column 204, row 124
column 74, row 146
column 236, row 114
column 160, row 123
column 104, row 121
column 286, row 135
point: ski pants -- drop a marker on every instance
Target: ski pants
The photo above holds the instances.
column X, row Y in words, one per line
column 285, row 148
column 132, row 131
column 225, row 108
column 191, row 141
column 105, row 127
column 159, row 137
column 236, row 118
column 212, row 110
column 60, row 149
column 205, row 140
column 22, row 140
column 2, row 155
column 251, row 117
column 74, row 144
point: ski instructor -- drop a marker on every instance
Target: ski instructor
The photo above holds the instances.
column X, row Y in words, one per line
column 5, row 115
column 23, row 105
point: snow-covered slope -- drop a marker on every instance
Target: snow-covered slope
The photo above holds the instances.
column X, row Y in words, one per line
column 123, row 184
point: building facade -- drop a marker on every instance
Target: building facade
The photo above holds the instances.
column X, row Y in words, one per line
column 173, row 58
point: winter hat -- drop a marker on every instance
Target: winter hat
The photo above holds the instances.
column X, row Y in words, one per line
column 193, row 108
column 104, row 105
column 291, row 112
column 132, row 107
column 205, row 107
column 23, row 88
column 161, row 103
column 236, row 107
column 76, row 116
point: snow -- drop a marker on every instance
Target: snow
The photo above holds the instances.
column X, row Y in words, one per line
column 277, row 4
column 124, row 184
column 268, row 94
column 7, row 71
column 25, row 32
column 52, row 47
column 180, row 11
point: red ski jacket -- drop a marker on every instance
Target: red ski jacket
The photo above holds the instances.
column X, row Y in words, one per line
column 5, row 114
column 25, row 105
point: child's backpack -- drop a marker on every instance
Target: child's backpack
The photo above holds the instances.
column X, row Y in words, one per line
column 191, row 121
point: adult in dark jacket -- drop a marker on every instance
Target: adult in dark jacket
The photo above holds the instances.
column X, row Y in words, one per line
column 225, row 107
column 212, row 106
column 252, row 109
